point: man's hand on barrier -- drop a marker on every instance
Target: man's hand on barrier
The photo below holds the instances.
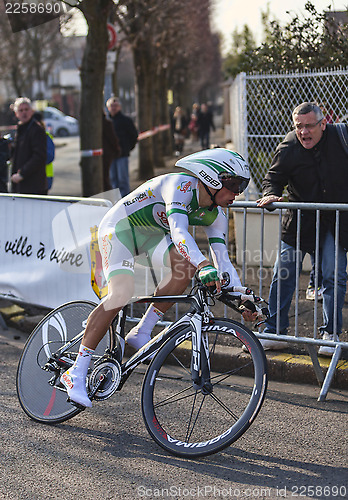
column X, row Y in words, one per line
column 250, row 316
column 16, row 178
column 250, row 303
column 270, row 198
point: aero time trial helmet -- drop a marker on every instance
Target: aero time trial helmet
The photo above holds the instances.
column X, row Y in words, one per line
column 217, row 168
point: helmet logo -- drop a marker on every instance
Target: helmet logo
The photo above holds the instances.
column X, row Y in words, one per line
column 209, row 179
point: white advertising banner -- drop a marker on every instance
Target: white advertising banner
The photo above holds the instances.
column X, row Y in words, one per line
column 48, row 249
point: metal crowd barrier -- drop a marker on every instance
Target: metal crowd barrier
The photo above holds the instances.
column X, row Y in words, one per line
column 244, row 235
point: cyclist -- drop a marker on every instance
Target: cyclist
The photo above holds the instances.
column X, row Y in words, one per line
column 154, row 221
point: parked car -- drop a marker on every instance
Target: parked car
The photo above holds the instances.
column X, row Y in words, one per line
column 59, row 124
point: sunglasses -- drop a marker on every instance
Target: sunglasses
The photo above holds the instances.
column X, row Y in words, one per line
column 234, row 184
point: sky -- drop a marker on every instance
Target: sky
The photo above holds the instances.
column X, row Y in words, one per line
column 231, row 14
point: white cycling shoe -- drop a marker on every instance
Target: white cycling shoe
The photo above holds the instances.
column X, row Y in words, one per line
column 75, row 386
column 270, row 345
column 136, row 339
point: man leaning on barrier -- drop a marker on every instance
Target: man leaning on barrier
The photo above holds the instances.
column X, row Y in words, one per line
column 313, row 164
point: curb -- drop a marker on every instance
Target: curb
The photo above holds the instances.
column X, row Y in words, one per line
column 282, row 367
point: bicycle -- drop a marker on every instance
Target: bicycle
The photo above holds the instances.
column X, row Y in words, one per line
column 192, row 405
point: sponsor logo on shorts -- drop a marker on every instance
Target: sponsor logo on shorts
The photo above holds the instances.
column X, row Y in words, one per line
column 106, row 249
column 126, row 263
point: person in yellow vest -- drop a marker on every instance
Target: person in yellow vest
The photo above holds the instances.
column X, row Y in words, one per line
column 49, row 166
column 50, row 151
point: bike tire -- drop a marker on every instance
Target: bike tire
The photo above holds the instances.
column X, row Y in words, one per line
column 41, row 401
column 188, row 423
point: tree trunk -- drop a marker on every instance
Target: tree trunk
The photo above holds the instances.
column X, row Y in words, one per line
column 167, row 136
column 157, row 120
column 143, row 74
column 92, row 86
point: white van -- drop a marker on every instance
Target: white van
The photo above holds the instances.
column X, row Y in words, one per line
column 59, row 124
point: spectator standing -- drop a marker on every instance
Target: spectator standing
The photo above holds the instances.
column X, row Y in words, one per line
column 111, row 150
column 4, row 157
column 193, row 125
column 179, row 127
column 312, row 163
column 310, row 292
column 50, row 151
column 127, row 135
column 205, row 123
column 29, row 156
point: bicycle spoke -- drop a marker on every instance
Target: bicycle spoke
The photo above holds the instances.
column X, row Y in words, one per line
column 225, row 375
column 218, row 400
column 171, row 399
column 189, row 434
column 181, row 364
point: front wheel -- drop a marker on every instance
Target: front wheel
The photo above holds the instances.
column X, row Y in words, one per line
column 193, row 423
column 40, row 393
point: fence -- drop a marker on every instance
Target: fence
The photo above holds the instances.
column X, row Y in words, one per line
column 48, row 250
column 251, row 246
column 261, row 106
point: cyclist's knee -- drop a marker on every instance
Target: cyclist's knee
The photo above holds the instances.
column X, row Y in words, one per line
column 120, row 291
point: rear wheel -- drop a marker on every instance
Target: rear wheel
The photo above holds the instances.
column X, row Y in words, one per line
column 192, row 423
column 40, row 393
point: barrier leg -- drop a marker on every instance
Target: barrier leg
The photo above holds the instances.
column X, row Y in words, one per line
column 330, row 373
column 316, row 365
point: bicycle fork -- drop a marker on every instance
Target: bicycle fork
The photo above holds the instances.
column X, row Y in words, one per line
column 200, row 364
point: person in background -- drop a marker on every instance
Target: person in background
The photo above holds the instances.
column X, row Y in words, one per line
column 179, row 127
column 310, row 292
column 29, row 155
column 127, row 135
column 50, row 151
column 193, row 125
column 4, row 157
column 111, row 150
column 312, row 163
column 205, row 124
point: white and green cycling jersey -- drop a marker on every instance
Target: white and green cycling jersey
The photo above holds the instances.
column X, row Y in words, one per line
column 144, row 225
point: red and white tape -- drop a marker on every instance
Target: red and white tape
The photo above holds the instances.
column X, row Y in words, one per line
column 91, row 152
column 153, row 131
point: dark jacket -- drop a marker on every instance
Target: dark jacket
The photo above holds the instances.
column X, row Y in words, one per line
column 4, row 156
column 179, row 126
column 319, row 175
column 111, row 150
column 126, row 132
column 29, row 158
column 205, row 122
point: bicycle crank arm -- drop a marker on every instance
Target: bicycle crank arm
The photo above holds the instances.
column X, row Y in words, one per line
column 96, row 386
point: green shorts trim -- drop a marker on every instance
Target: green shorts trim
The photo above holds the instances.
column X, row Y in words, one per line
column 120, row 271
